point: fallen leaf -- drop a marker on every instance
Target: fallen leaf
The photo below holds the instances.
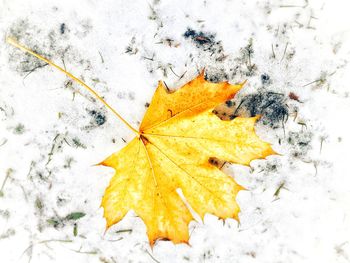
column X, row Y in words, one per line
column 165, row 172
column 177, row 137
column 75, row 215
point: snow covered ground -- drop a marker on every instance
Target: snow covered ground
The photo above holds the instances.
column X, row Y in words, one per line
column 295, row 57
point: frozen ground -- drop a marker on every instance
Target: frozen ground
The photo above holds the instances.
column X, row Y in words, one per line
column 295, row 57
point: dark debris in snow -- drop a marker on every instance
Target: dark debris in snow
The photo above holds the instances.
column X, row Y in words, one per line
column 200, row 38
column 270, row 105
column 98, row 117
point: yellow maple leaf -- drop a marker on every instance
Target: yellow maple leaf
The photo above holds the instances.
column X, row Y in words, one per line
column 178, row 136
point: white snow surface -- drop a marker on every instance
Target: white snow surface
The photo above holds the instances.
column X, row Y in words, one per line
column 52, row 132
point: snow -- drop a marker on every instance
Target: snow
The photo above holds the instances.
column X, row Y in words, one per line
column 52, row 132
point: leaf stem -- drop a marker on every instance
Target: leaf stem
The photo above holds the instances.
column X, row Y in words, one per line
column 25, row 49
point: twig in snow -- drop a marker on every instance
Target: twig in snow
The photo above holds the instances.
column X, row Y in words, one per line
column 278, row 190
column 174, row 72
column 284, row 53
column 321, row 143
column 273, row 52
column 8, row 174
column 4, row 141
column 30, row 247
column 155, row 260
column 33, row 69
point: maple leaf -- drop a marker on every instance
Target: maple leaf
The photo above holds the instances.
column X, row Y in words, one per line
column 171, row 152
